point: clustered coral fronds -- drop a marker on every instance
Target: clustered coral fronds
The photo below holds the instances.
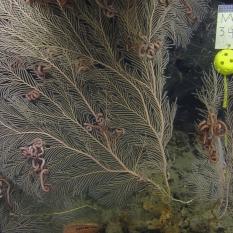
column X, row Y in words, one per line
column 83, row 110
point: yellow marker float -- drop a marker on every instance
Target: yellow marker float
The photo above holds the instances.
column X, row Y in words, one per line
column 223, row 63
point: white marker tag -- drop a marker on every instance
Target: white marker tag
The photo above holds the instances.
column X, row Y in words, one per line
column 224, row 31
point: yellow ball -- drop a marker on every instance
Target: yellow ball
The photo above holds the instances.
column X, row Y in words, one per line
column 223, row 62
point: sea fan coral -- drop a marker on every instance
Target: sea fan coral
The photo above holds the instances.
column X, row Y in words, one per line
column 97, row 104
